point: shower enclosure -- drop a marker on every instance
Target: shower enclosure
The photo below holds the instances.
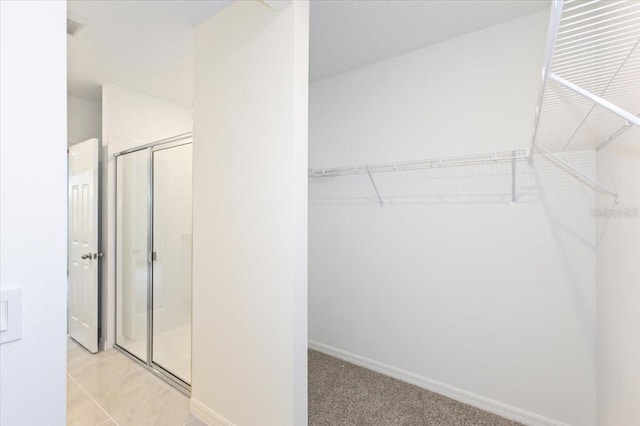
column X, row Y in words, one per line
column 153, row 256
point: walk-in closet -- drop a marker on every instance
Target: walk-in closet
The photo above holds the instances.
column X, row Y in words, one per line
column 461, row 234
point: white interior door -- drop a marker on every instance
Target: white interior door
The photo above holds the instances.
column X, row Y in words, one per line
column 83, row 255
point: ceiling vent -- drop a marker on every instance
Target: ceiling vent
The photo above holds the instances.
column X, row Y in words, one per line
column 76, row 26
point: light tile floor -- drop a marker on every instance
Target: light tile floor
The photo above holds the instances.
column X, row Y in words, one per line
column 110, row 389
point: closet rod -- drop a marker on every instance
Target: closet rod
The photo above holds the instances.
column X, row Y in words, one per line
column 430, row 163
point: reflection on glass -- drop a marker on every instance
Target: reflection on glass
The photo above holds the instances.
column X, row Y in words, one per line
column 131, row 257
column 172, row 265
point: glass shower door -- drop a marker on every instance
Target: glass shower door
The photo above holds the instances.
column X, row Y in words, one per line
column 132, row 267
column 172, row 235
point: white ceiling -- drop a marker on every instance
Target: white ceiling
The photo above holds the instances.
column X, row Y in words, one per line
column 147, row 45
column 144, row 45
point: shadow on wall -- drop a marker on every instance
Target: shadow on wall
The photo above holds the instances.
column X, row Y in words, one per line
column 571, row 227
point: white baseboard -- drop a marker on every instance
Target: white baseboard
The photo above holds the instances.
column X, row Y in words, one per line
column 207, row 414
column 486, row 404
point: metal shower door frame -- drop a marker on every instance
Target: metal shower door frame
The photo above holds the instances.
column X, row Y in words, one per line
column 149, row 364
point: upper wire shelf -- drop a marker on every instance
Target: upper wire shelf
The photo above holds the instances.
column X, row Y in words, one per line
column 591, row 74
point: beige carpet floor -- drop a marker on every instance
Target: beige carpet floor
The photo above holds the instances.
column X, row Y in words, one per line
column 345, row 394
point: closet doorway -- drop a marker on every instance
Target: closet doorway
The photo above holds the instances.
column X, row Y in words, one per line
column 153, row 256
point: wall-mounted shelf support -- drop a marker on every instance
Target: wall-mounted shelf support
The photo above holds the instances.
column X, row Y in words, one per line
column 569, row 168
column 373, row 182
column 615, row 134
column 513, row 177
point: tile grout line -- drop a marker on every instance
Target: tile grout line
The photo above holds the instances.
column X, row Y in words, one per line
column 192, row 420
column 92, row 399
column 169, row 389
column 122, row 411
column 143, row 401
column 104, row 386
column 150, row 398
column 77, row 370
column 111, row 417
column 88, row 364
column 139, row 403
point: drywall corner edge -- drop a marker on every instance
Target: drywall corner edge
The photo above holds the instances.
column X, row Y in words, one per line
column 478, row 401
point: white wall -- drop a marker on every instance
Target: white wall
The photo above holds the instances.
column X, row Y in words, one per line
column 141, row 118
column 618, row 278
column 447, row 281
column 33, row 208
column 250, row 214
column 84, row 119
column 129, row 119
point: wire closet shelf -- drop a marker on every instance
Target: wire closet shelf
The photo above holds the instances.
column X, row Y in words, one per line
column 426, row 164
column 429, row 163
column 592, row 51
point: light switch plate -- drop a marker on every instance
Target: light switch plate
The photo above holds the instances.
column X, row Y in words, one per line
column 4, row 315
column 11, row 301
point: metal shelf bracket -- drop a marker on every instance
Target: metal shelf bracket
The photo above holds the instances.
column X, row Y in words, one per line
column 373, row 182
column 513, row 177
column 577, row 173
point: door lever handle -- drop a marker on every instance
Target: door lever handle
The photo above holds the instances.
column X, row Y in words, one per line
column 86, row 256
